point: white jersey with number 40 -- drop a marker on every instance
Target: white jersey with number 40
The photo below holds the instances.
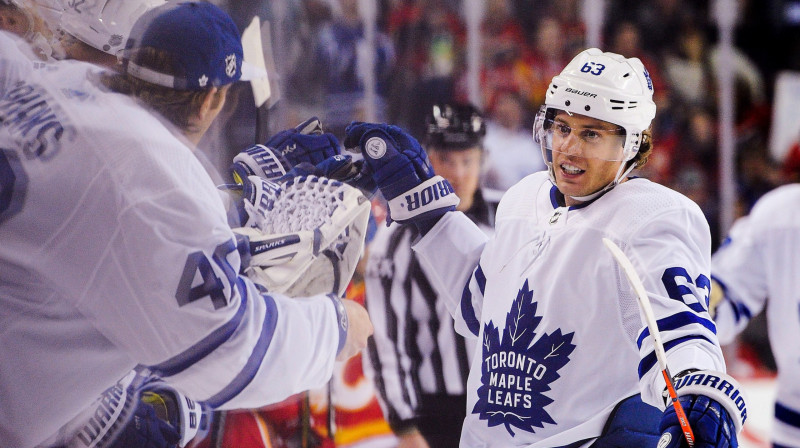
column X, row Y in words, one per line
column 560, row 336
column 115, row 252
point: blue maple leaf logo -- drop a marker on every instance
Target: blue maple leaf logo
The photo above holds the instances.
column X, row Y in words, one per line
column 516, row 372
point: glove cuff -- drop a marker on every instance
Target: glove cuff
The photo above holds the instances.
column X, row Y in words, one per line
column 718, row 386
column 434, row 194
column 261, row 161
column 342, row 322
column 183, row 413
column 101, row 423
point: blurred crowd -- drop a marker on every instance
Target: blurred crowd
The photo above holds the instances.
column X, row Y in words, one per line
column 420, row 58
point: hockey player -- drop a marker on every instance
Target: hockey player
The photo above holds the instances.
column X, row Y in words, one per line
column 564, row 359
column 116, row 249
column 419, row 363
column 35, row 21
column 760, row 262
column 96, row 32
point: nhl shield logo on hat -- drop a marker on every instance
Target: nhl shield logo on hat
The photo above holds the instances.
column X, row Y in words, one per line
column 230, row 65
column 376, row 147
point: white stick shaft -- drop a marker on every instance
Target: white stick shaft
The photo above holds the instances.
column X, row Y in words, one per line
column 644, row 301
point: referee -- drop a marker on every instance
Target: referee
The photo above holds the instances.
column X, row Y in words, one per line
column 418, row 362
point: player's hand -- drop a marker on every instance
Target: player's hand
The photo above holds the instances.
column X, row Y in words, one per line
column 358, row 331
column 147, row 430
column 397, row 160
column 402, row 171
column 305, row 143
column 340, row 167
column 715, row 406
column 710, row 422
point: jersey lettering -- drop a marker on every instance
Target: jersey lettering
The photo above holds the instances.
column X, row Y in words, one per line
column 516, row 371
column 12, row 185
column 675, row 281
column 212, row 286
column 25, row 111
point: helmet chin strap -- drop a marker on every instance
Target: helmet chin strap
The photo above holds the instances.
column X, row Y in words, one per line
column 620, row 175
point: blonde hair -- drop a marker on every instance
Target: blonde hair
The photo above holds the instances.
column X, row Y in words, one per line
column 645, row 149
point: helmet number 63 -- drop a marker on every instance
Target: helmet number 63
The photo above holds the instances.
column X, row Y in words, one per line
column 593, row 68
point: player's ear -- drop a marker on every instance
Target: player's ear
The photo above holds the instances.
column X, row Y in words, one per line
column 212, row 103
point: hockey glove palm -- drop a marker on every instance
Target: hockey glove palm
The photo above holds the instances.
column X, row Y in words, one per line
column 402, row 171
column 714, row 407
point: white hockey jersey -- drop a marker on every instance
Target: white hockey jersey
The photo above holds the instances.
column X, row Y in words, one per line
column 760, row 261
column 560, row 332
column 115, row 252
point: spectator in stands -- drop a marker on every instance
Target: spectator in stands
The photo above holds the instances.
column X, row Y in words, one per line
column 511, row 153
column 342, row 63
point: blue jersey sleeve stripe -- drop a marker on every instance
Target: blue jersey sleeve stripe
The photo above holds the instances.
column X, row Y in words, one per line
column 786, row 415
column 468, row 312
column 677, row 321
column 183, row 361
column 250, row 369
column 650, row 360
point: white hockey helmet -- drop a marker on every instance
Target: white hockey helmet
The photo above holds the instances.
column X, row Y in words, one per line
column 49, row 11
column 606, row 86
column 104, row 24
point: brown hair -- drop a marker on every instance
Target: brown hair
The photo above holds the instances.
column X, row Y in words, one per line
column 177, row 106
column 645, row 149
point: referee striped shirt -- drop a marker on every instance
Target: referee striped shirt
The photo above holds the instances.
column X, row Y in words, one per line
column 415, row 352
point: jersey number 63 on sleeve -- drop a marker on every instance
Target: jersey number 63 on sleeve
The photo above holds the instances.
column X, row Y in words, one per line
column 675, row 280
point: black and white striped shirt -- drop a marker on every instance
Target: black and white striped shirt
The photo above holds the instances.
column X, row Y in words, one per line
column 415, row 354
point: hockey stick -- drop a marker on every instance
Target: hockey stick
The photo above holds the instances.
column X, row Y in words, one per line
column 647, row 309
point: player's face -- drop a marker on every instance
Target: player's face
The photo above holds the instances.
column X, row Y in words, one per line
column 586, row 153
column 13, row 20
column 462, row 168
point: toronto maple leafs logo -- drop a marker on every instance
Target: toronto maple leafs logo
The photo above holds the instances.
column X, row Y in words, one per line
column 516, row 372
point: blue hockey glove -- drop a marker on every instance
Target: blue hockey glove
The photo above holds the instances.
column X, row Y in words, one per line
column 147, row 430
column 164, row 418
column 715, row 407
column 304, row 143
column 339, row 167
column 138, row 411
column 403, row 173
